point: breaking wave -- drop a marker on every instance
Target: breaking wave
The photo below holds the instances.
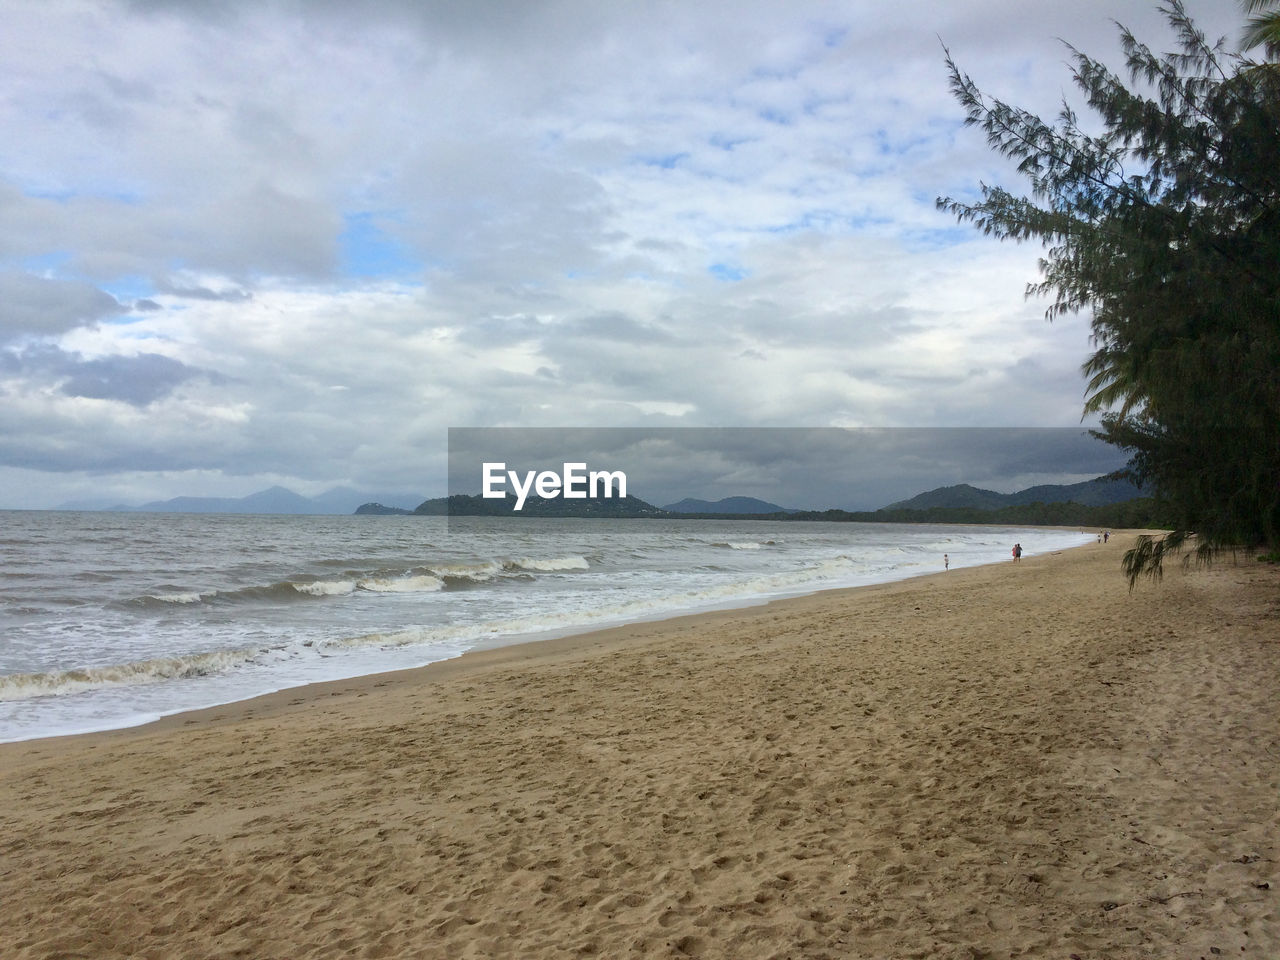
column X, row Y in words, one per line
column 25, row 686
column 424, row 583
column 554, row 564
column 418, row 580
column 59, row 683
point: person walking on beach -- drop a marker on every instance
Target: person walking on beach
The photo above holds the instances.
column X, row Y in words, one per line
column 1017, row 552
column 946, row 562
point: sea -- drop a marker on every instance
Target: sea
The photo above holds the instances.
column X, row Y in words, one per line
column 112, row 619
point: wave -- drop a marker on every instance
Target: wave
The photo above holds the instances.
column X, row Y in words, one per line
column 189, row 596
column 422, row 579
column 454, row 636
column 554, row 564
column 27, row 686
column 815, row 576
column 421, row 583
column 479, row 572
column 282, row 591
column 325, row 588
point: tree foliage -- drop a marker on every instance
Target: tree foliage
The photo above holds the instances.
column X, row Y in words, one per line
column 1262, row 29
column 1164, row 221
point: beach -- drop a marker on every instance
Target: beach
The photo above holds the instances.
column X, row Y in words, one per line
column 1016, row 760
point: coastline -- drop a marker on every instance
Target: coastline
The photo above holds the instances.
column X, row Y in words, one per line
column 1015, row 757
column 199, row 688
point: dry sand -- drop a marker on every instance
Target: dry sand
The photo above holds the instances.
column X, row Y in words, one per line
column 1021, row 760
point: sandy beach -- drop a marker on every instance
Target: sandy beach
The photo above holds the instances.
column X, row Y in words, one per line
column 1021, row 760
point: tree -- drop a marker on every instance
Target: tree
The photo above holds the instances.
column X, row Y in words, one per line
column 1262, row 29
column 1166, row 225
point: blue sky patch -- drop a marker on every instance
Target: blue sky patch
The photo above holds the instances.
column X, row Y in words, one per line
column 369, row 251
column 129, row 288
column 729, row 273
column 664, row 161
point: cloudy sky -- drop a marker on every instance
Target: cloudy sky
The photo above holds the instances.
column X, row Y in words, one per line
column 250, row 243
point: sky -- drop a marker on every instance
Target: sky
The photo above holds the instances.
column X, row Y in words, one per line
column 286, row 242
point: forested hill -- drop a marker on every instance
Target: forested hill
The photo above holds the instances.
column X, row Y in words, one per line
column 1090, row 493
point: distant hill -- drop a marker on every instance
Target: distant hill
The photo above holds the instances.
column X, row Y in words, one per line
column 273, row 500
column 725, row 505
column 92, row 505
column 346, row 499
column 280, row 500
column 378, row 510
column 1091, row 493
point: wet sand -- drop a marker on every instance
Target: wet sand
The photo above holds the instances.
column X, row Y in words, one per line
column 1022, row 760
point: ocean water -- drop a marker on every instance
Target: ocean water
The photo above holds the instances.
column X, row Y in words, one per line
column 114, row 619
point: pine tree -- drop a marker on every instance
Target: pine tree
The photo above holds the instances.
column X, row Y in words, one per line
column 1166, row 225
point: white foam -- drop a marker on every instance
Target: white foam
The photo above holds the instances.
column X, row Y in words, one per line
column 424, row 583
column 26, row 686
column 326, row 588
column 191, row 597
column 479, row 572
column 554, row 564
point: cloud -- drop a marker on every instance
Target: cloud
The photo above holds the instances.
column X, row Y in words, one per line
column 196, row 293
column 35, row 305
column 137, row 380
column 340, row 228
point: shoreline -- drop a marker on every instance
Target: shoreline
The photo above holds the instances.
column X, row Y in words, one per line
column 593, row 641
column 590, row 641
column 745, row 602
column 1005, row 759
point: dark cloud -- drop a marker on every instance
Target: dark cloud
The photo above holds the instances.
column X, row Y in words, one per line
column 40, row 306
column 138, row 379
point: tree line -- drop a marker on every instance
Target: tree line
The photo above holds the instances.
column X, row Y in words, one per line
column 1165, row 225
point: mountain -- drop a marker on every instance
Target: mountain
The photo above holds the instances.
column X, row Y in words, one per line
column 960, row 495
column 346, row 500
column 92, row 505
column 725, row 505
column 1090, row 493
column 280, row 500
column 378, row 510
column 273, row 500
